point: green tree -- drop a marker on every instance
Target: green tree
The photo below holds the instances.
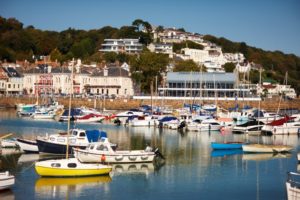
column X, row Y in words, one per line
column 229, row 67
column 56, row 55
column 110, row 57
column 146, row 67
column 186, row 66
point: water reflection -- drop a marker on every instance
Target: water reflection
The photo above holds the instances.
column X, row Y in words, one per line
column 265, row 156
column 7, row 194
column 61, row 188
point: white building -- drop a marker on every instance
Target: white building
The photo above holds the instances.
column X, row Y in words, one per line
column 11, row 81
column 234, row 57
column 211, row 56
column 276, row 89
column 121, row 46
column 111, row 81
column 165, row 48
column 243, row 67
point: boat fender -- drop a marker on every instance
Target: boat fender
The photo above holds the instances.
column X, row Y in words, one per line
column 103, row 158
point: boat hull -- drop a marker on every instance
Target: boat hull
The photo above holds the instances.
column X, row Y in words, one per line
column 55, row 148
column 229, row 145
column 260, row 148
column 89, row 157
column 47, row 168
column 28, row 146
column 6, row 180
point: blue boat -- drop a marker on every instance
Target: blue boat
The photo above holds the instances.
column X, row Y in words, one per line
column 226, row 145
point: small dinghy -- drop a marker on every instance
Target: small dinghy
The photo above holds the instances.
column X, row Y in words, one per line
column 6, row 180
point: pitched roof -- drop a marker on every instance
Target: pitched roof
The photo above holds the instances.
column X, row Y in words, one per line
column 112, row 71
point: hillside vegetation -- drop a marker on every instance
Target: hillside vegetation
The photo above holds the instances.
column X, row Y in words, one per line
column 28, row 43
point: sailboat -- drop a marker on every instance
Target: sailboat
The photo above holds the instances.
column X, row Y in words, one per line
column 266, row 148
column 70, row 167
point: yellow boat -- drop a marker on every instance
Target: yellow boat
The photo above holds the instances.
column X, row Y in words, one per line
column 70, row 168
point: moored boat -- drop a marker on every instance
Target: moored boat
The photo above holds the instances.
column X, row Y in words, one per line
column 70, row 167
column 226, row 145
column 103, row 152
column 293, row 185
column 266, row 148
column 27, row 146
column 57, row 143
column 6, row 180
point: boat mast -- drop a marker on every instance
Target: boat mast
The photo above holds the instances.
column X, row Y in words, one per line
column 69, row 115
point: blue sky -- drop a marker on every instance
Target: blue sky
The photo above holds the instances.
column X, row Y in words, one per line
column 267, row 24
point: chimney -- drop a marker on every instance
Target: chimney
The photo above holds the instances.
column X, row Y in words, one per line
column 105, row 71
column 49, row 69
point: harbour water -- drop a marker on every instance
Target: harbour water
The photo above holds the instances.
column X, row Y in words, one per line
column 191, row 169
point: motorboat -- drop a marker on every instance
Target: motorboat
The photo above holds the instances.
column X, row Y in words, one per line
column 281, row 126
column 40, row 114
column 27, row 146
column 8, row 143
column 142, row 121
column 266, row 148
column 70, row 167
column 250, row 127
column 168, row 122
column 91, row 117
column 204, row 125
column 57, row 143
column 293, row 185
column 103, row 152
column 6, row 180
column 226, row 145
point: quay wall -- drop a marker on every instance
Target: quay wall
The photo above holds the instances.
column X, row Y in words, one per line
column 124, row 104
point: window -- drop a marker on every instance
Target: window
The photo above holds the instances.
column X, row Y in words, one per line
column 101, row 147
column 91, row 146
column 61, row 140
column 82, row 134
column 55, row 165
column 72, row 165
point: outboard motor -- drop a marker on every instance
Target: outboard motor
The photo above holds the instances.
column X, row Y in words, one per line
column 182, row 125
column 117, row 122
column 158, row 154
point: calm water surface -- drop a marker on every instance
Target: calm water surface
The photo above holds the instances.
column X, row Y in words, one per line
column 191, row 169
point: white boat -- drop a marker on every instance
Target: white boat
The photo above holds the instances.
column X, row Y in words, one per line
column 57, row 143
column 286, row 128
column 130, row 113
column 103, row 152
column 27, row 146
column 293, row 185
column 70, row 167
column 143, row 121
column 283, row 125
column 251, row 127
column 91, row 117
column 6, row 180
column 205, row 125
column 43, row 114
column 8, row 143
column 265, row 148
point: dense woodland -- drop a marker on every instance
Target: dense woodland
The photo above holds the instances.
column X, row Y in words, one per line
column 19, row 43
